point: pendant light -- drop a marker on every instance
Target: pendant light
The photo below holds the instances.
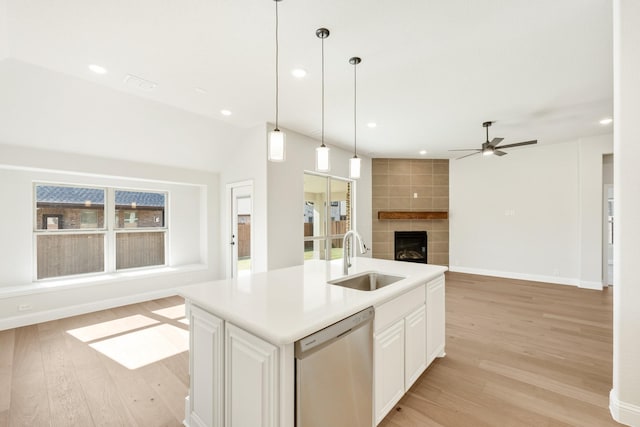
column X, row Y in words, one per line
column 354, row 162
column 322, row 152
column 276, row 140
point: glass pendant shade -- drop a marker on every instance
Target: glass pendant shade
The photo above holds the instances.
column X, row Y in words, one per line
column 322, row 159
column 354, row 162
column 354, row 168
column 276, row 138
column 276, row 146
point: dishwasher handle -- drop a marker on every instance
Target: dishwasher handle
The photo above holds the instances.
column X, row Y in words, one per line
column 326, row 336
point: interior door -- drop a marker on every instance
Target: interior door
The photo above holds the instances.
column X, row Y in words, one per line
column 241, row 235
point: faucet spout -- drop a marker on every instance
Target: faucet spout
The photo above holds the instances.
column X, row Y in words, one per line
column 346, row 256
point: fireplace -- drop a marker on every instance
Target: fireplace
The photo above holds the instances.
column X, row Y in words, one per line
column 410, row 246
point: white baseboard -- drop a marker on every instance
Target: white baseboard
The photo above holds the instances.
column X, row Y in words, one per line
column 521, row 276
column 623, row 412
column 59, row 313
column 591, row 285
column 187, row 411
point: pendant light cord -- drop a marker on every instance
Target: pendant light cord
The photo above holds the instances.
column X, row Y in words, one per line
column 277, row 75
column 355, row 126
column 322, row 135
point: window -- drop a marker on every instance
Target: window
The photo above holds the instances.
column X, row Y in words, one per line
column 139, row 228
column 72, row 237
column 327, row 215
column 89, row 219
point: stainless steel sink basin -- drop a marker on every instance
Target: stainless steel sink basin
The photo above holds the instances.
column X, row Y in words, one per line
column 368, row 281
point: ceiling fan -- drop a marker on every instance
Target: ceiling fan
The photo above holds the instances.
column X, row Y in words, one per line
column 489, row 148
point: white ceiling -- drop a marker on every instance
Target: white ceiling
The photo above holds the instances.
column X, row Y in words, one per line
column 432, row 70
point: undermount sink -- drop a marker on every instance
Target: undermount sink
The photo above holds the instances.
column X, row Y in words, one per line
column 368, row 281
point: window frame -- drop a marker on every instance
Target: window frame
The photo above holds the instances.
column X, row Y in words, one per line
column 327, row 237
column 109, row 230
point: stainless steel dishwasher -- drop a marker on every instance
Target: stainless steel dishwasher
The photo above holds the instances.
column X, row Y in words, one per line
column 334, row 374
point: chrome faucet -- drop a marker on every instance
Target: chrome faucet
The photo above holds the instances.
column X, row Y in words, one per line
column 346, row 256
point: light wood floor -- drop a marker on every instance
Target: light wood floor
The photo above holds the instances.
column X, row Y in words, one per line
column 60, row 373
column 518, row 354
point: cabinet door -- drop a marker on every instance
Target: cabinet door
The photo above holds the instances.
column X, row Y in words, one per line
column 435, row 319
column 205, row 369
column 389, row 368
column 415, row 357
column 251, row 367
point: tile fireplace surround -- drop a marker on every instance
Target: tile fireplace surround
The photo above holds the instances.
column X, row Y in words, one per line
column 395, row 183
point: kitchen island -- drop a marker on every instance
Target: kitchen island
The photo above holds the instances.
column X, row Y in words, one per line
column 243, row 331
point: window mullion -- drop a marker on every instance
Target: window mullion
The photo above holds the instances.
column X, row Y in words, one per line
column 110, row 240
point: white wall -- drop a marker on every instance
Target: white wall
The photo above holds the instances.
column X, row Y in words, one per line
column 520, row 216
column 246, row 161
column 97, row 135
column 286, row 198
column 193, row 257
column 625, row 395
column 4, row 31
column 49, row 110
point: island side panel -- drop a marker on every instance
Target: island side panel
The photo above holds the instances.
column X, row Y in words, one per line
column 287, row 386
column 207, row 355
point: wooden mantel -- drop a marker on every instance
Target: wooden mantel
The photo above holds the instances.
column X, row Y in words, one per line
column 413, row 215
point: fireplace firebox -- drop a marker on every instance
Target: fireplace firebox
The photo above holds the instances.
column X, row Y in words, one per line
column 411, row 246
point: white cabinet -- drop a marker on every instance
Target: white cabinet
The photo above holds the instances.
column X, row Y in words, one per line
column 415, row 357
column 234, row 375
column 389, row 368
column 204, row 406
column 399, row 348
column 251, row 377
column 409, row 334
column 435, row 319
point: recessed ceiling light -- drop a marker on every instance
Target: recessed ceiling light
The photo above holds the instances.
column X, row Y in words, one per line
column 372, row 125
column 423, row 152
column 298, row 73
column 97, row 69
column 225, row 112
column 606, row 121
column 201, row 90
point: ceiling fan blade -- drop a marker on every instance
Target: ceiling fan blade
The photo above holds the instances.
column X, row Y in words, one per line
column 518, row 144
column 467, row 149
column 495, row 141
column 472, row 154
column 499, row 153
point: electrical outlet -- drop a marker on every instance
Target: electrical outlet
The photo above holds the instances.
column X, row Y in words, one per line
column 556, row 272
column 415, row 195
column 25, row 307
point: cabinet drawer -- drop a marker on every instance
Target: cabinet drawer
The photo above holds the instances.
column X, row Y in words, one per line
column 397, row 308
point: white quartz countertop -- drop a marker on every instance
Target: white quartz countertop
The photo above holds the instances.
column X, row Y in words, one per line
column 283, row 306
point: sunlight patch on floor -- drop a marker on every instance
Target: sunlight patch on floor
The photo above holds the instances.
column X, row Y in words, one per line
column 146, row 346
column 175, row 312
column 111, row 327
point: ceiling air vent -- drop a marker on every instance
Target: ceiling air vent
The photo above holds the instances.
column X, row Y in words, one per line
column 139, row 83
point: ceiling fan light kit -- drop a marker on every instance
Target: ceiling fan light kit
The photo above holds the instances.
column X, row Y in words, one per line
column 489, row 148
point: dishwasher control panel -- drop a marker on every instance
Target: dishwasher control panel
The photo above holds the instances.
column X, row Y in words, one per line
column 334, row 331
